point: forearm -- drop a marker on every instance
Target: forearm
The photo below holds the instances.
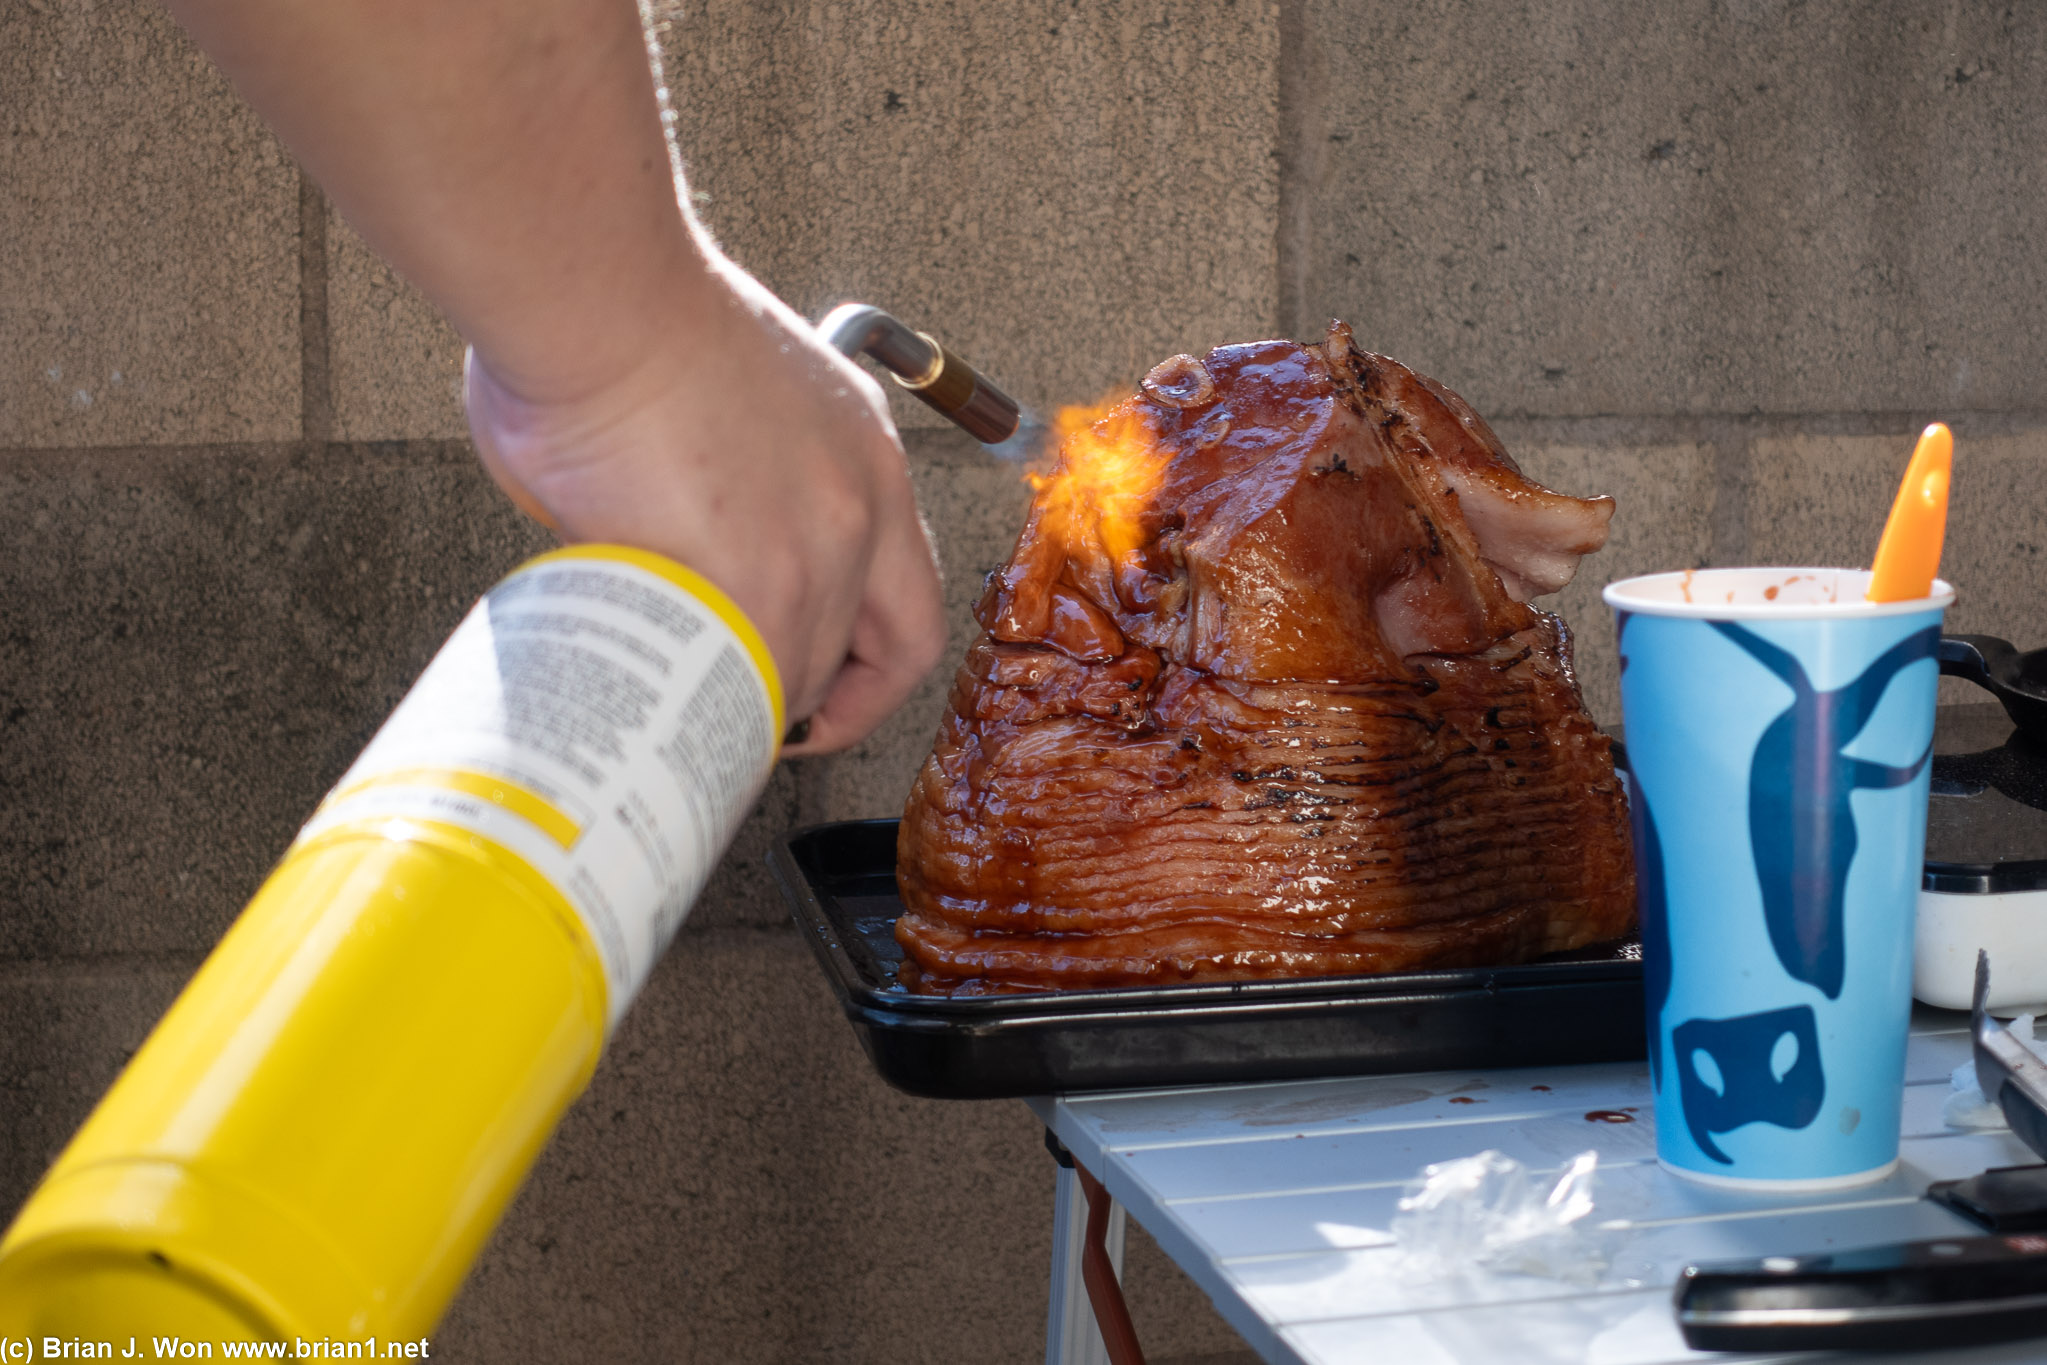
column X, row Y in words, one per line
column 626, row 383
column 507, row 158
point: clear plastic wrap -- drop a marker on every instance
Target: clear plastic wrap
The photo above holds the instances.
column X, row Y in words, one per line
column 1966, row 1107
column 1490, row 1212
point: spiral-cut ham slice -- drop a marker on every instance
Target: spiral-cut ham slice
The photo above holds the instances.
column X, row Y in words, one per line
column 1270, row 702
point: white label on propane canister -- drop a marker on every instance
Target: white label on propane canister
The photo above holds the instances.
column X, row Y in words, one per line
column 604, row 723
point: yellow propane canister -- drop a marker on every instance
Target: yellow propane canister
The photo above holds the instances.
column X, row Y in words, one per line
column 319, row 1135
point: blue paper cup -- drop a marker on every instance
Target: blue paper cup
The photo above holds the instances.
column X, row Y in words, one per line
column 1779, row 741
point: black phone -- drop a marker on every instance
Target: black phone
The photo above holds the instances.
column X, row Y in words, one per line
column 1949, row 1292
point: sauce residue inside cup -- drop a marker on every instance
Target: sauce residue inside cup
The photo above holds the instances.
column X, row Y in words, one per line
column 1770, row 593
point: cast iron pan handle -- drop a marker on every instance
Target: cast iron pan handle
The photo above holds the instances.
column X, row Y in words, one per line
column 1993, row 665
column 1979, row 658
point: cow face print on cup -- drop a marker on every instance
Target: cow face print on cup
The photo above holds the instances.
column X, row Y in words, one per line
column 1765, row 1067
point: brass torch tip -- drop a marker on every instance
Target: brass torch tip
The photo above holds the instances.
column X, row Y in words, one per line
column 920, row 364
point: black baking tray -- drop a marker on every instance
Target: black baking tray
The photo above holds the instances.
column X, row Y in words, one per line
column 841, row 884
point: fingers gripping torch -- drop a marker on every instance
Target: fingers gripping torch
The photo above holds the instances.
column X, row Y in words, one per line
column 320, row 1134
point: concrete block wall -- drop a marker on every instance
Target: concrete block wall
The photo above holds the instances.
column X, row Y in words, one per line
column 1718, row 259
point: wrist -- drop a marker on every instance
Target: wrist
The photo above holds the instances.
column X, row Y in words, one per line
column 602, row 328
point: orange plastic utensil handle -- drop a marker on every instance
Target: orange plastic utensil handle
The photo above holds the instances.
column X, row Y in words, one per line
column 1909, row 554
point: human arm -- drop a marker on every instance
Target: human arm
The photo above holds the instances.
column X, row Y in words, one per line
column 625, row 382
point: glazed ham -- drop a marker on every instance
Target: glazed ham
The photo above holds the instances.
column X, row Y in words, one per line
column 1259, row 694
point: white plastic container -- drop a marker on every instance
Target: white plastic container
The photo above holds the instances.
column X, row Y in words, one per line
column 2010, row 925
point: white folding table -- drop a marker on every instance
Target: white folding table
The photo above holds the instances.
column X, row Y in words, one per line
column 1277, row 1200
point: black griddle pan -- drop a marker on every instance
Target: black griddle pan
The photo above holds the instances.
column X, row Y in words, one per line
column 841, row 885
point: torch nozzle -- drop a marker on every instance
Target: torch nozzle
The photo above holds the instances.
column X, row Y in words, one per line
column 920, row 364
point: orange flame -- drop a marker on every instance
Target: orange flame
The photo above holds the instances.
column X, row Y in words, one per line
column 1109, row 468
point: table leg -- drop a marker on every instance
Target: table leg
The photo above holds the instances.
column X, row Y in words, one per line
column 1071, row 1334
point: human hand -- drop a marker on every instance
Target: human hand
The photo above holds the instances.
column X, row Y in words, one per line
column 742, row 446
column 627, row 383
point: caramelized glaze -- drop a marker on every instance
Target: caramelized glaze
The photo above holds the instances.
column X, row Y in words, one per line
column 1295, row 719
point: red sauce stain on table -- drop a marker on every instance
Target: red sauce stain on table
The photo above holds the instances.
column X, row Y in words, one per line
column 1610, row 1116
column 1462, row 1099
column 1543, row 1088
